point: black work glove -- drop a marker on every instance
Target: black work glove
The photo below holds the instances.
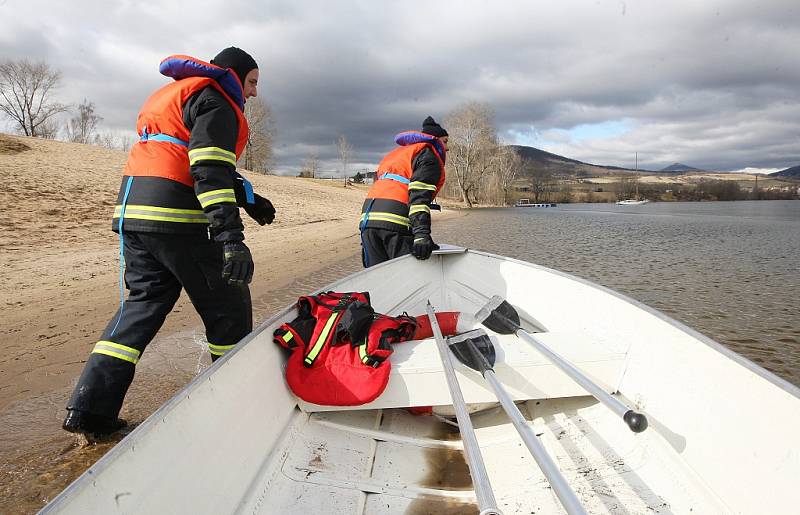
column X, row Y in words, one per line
column 261, row 211
column 423, row 246
column 238, row 266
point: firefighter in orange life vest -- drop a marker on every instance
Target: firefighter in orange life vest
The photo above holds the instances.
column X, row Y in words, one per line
column 179, row 226
column 396, row 216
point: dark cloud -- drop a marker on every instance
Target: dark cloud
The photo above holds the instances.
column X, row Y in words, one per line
column 711, row 84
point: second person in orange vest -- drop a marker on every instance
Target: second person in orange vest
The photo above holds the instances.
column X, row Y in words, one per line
column 396, row 216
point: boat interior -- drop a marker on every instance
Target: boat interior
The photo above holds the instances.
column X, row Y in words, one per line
column 236, row 440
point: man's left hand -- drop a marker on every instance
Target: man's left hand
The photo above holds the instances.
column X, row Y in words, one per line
column 261, row 211
column 423, row 246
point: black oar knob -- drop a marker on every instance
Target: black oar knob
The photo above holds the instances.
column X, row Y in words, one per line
column 636, row 421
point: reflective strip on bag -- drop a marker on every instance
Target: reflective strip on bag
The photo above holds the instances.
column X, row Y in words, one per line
column 212, row 154
column 216, row 196
column 162, row 214
column 219, row 350
column 116, row 350
column 419, row 185
column 419, row 208
column 362, row 352
column 373, row 216
column 323, row 335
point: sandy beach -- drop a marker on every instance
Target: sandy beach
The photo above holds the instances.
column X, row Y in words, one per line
column 59, row 287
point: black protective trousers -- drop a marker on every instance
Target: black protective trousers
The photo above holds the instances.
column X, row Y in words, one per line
column 379, row 245
column 157, row 267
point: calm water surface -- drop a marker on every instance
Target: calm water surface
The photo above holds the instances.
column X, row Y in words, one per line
column 730, row 270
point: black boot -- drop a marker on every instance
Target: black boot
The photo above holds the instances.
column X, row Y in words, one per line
column 81, row 422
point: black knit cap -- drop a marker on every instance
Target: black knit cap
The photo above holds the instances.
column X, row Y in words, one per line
column 429, row 126
column 235, row 58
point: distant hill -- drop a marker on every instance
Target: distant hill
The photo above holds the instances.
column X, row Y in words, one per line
column 679, row 167
column 564, row 166
column 793, row 172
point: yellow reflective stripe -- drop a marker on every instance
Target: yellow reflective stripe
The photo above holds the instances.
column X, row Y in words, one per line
column 286, row 337
column 362, row 352
column 216, row 196
column 166, row 218
column 162, row 214
column 157, row 209
column 419, row 185
column 211, row 153
column 117, row 351
column 315, row 350
column 419, row 208
column 385, row 217
column 219, row 350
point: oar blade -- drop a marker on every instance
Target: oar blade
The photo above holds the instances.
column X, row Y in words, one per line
column 499, row 316
column 474, row 349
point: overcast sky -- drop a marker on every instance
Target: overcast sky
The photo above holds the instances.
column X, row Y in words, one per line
column 711, row 84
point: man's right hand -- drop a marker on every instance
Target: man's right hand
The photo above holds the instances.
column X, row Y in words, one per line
column 238, row 263
column 423, row 246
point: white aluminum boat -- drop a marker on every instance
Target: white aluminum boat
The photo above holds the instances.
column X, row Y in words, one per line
column 722, row 435
column 632, row 202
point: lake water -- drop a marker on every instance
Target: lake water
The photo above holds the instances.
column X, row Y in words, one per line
column 730, row 270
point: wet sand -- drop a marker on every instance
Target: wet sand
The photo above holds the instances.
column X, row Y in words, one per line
column 39, row 460
column 59, row 287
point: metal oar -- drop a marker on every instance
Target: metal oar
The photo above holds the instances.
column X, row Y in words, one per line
column 476, row 350
column 483, row 488
column 501, row 317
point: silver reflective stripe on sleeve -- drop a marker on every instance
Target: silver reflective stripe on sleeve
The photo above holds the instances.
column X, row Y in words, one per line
column 419, row 185
column 216, row 196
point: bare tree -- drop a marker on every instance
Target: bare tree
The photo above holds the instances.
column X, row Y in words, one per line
column 507, row 166
column 540, row 180
column 257, row 156
column 82, row 126
column 49, row 129
column 472, row 142
column 345, row 150
column 25, row 90
column 113, row 140
column 310, row 166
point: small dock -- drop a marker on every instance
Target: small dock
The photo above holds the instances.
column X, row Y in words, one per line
column 523, row 202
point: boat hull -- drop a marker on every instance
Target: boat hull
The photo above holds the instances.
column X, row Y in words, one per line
column 237, row 440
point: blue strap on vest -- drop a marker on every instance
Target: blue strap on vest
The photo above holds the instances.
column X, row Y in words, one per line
column 121, row 254
column 161, row 137
column 394, row 177
column 248, row 191
column 361, row 227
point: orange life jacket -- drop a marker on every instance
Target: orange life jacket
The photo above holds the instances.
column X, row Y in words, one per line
column 395, row 165
column 162, row 150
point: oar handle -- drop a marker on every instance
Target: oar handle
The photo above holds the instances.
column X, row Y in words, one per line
column 480, row 479
column 637, row 422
